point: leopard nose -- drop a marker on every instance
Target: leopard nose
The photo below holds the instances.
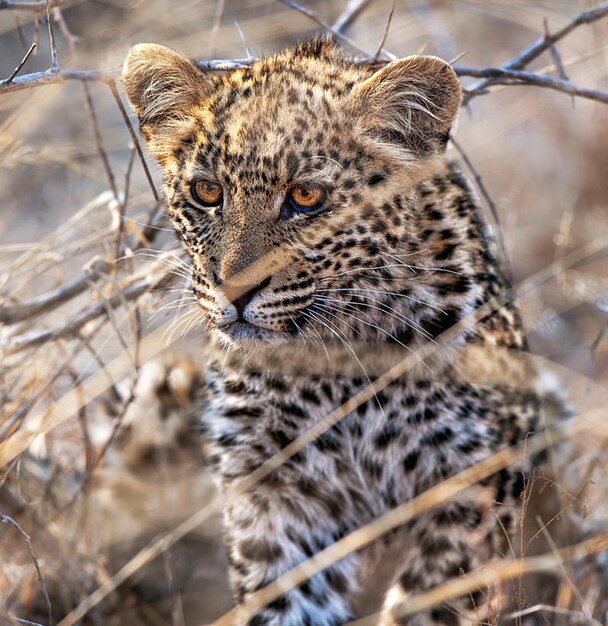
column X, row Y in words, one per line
column 241, row 296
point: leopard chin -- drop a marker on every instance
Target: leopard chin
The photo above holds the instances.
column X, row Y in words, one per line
column 246, row 336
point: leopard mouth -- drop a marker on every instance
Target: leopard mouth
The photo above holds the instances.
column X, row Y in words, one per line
column 245, row 333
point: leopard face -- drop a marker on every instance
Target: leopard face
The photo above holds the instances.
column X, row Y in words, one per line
column 292, row 185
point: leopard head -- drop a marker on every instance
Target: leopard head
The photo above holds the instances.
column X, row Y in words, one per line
column 286, row 179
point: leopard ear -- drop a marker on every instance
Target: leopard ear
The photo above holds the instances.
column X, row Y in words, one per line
column 412, row 102
column 163, row 85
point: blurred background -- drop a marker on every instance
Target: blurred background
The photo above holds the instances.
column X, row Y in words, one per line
column 100, row 352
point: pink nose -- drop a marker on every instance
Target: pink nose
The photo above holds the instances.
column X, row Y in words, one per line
column 242, row 296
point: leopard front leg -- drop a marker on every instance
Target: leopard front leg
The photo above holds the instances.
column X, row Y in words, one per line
column 271, row 531
column 451, row 541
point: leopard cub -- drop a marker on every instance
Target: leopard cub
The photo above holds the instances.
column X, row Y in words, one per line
column 329, row 239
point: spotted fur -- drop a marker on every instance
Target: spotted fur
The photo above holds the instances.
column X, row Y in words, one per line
column 394, row 257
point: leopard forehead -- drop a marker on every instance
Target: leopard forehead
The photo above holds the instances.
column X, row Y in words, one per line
column 278, row 122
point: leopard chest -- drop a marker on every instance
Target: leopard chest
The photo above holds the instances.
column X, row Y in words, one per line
column 411, row 435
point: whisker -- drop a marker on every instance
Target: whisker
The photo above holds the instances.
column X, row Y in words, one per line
column 389, row 311
column 388, row 293
column 386, row 332
column 431, row 270
column 347, row 345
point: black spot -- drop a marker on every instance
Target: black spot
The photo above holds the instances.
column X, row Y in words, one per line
column 444, row 616
column 276, row 383
column 438, row 437
column 442, row 322
column 375, row 470
column 280, row 437
column 244, row 411
column 280, row 605
column 337, row 581
column 291, row 409
column 263, row 550
column 410, row 461
column 310, row 396
column 389, row 433
column 327, row 442
column 408, row 581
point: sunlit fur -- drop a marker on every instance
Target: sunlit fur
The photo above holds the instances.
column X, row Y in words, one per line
column 396, row 257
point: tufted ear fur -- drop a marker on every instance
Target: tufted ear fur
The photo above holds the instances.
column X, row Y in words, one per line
column 412, row 102
column 164, row 87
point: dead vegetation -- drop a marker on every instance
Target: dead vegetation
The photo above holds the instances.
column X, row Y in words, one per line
column 107, row 515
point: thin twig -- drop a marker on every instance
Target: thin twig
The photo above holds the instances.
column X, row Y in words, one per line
column 330, row 29
column 385, row 33
column 502, row 76
column 523, row 58
column 537, row 608
column 242, row 36
column 140, row 153
column 99, row 142
column 49, row 19
column 555, row 55
column 16, row 71
column 491, row 205
column 20, row 33
column 6, row 519
column 56, row 297
column 478, row 180
column 350, row 13
column 565, row 574
column 35, row 7
column 65, row 31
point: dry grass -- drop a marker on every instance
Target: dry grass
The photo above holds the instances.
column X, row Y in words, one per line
column 107, row 512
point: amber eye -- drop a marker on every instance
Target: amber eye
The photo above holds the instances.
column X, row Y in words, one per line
column 207, row 193
column 307, row 197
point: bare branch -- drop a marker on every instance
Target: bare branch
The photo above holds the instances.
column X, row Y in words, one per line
column 48, row 77
column 71, row 327
column 52, row 299
column 100, row 148
column 523, row 58
column 34, row 7
column 49, row 20
column 5, row 519
column 16, row 71
column 500, row 76
column 140, row 153
column 385, row 33
column 350, row 13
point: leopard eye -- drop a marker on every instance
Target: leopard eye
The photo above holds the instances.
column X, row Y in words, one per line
column 304, row 199
column 207, row 193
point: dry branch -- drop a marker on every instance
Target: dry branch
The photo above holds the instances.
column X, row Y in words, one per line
column 500, row 76
column 35, row 7
column 544, row 43
column 508, row 74
column 6, row 519
column 496, row 572
column 56, row 297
